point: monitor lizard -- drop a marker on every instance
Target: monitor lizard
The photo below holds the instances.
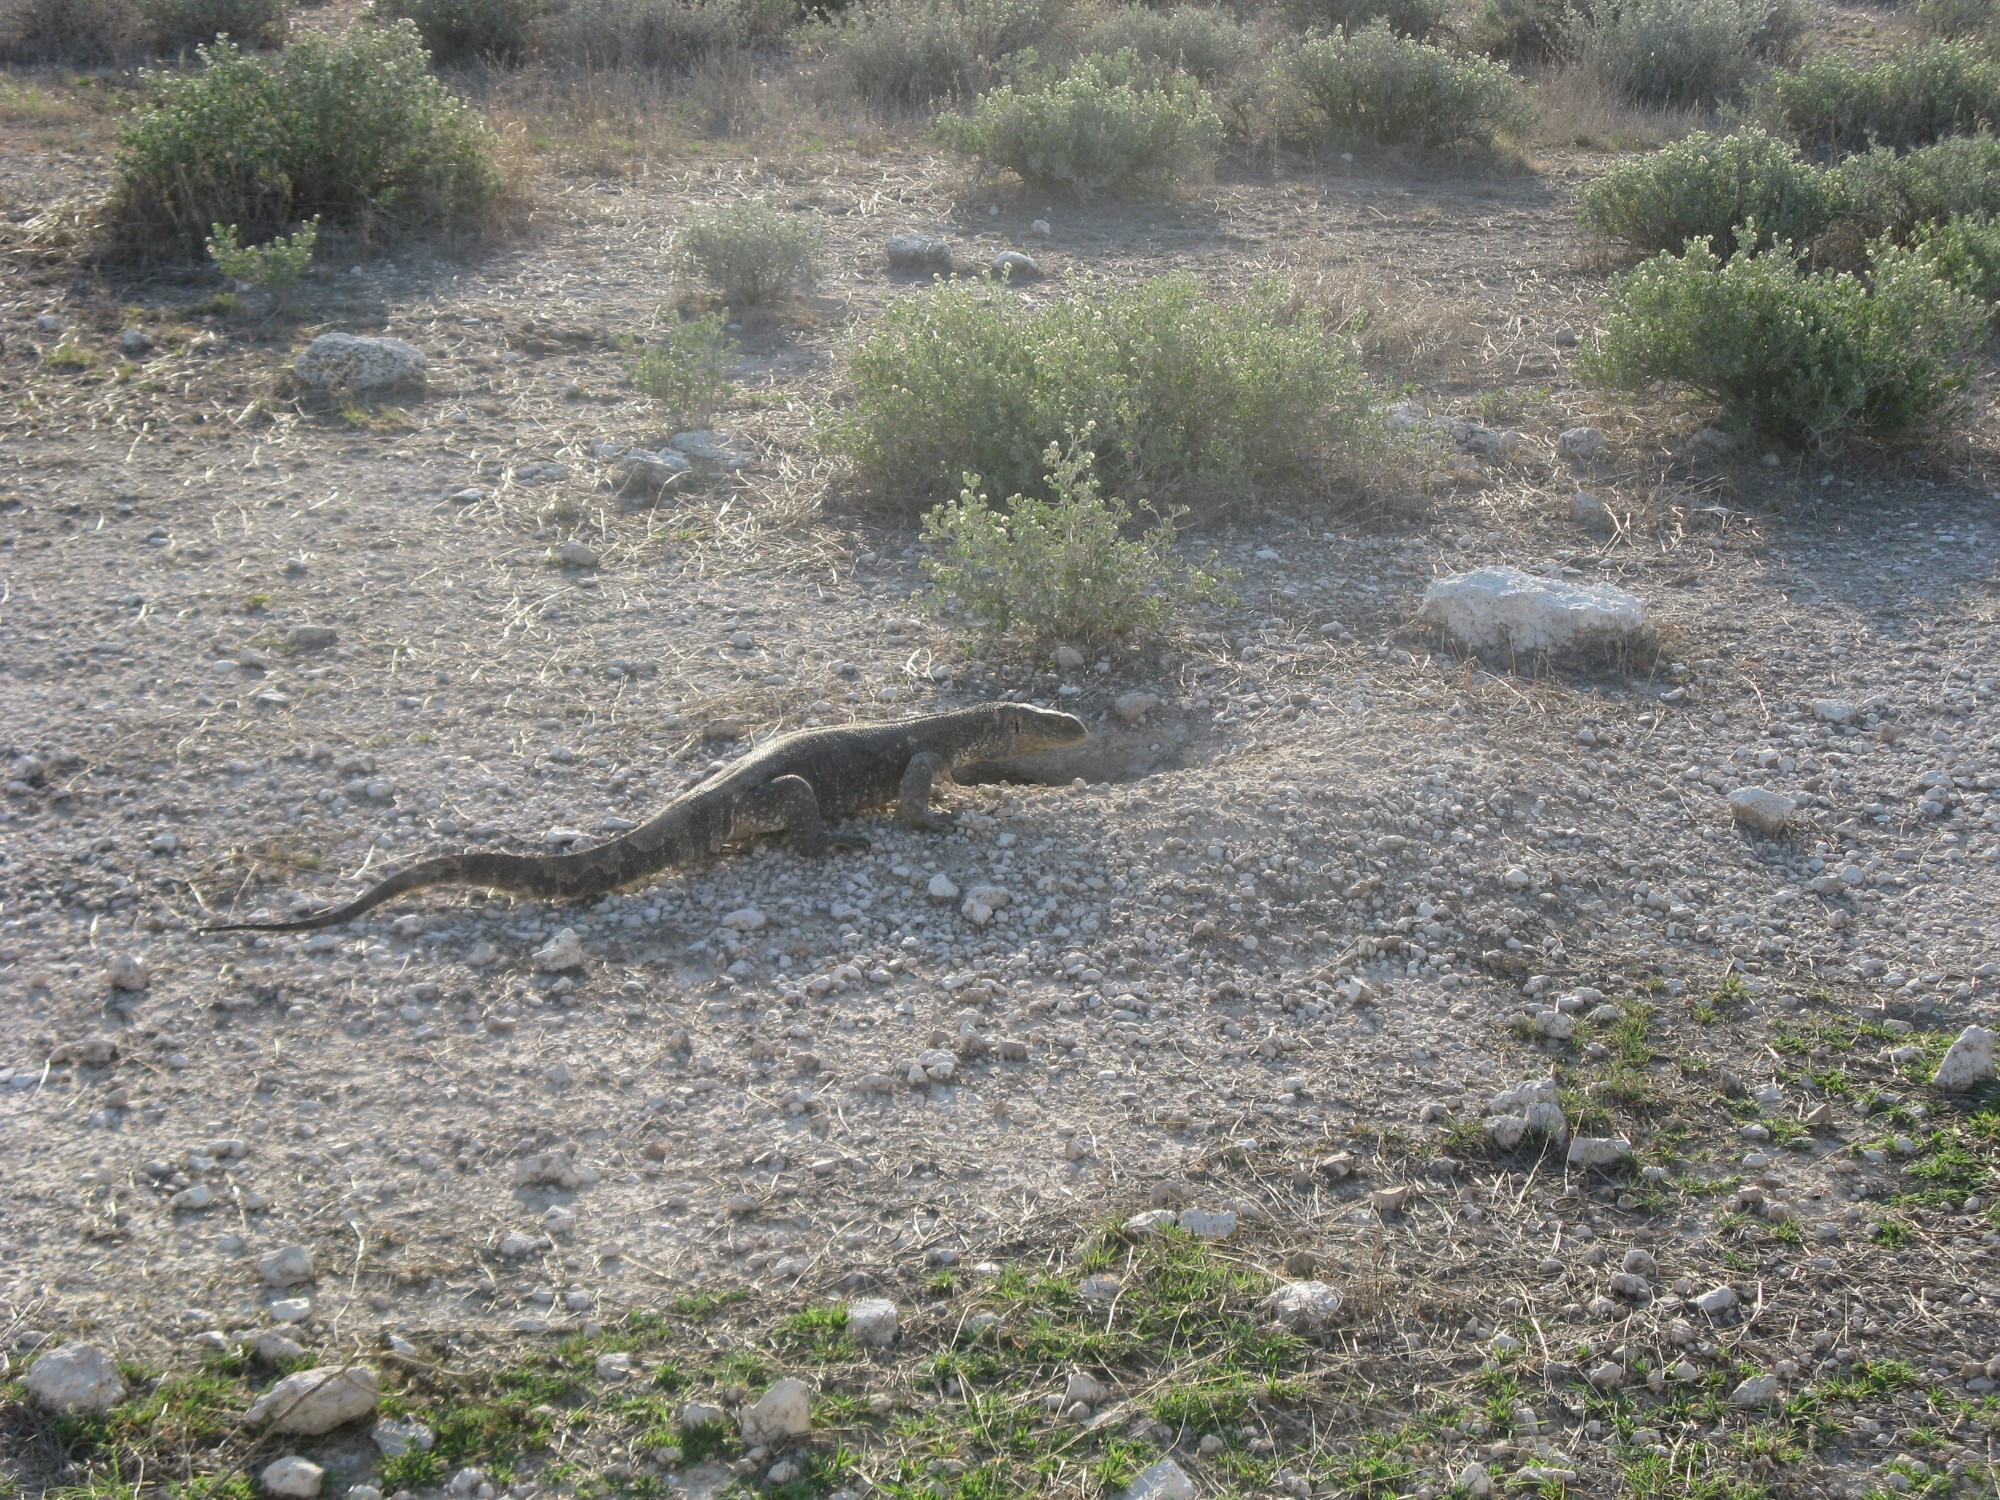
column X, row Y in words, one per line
column 795, row 784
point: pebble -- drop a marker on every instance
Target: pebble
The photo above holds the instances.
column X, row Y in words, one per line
column 1204, row 1225
column 1718, row 1301
column 128, row 971
column 78, row 1377
column 292, row 1475
column 1165, row 1480
column 561, row 953
column 1967, row 1063
column 1016, row 265
column 1759, row 808
column 782, row 1413
column 873, row 1322
column 287, row 1267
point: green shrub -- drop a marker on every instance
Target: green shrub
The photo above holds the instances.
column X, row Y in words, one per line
column 1525, row 31
column 1417, row 18
column 1059, row 568
column 1884, row 193
column 685, row 369
column 350, row 129
column 467, row 30
column 176, row 25
column 1102, row 123
column 1812, row 357
column 1708, row 187
column 1917, row 96
column 274, row 268
column 1205, row 43
column 907, row 53
column 1685, row 52
column 749, row 253
column 1956, row 20
column 80, row 32
column 1377, row 86
column 1966, row 253
column 1183, row 396
column 666, row 36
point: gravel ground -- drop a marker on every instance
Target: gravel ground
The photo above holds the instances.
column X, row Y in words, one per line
column 1314, row 898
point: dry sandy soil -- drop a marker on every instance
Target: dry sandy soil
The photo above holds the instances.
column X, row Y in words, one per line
column 1304, row 907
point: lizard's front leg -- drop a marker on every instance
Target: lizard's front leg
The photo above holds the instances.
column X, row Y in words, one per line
column 913, row 794
column 789, row 805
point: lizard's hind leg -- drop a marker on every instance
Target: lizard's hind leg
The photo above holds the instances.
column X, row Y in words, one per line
column 789, row 805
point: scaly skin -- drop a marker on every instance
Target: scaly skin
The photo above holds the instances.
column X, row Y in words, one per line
column 796, row 785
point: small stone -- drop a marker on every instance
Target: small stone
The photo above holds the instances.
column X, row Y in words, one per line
column 1968, row 1062
column 1165, row 1480
column 1582, row 443
column 1758, row 1390
column 873, row 1322
column 135, row 341
column 1303, row 1306
column 707, row 447
column 1476, row 1481
column 648, row 471
column 1099, row 1288
column 128, row 971
column 275, row 1348
column 1588, row 510
column 1834, row 711
column 291, row 1309
column 292, row 1475
column 1016, row 265
column 93, row 1051
column 1083, row 1389
column 1068, row 658
column 614, row 1366
column 192, row 1199
column 1600, row 1151
column 562, row 952
column 1204, row 1225
column 318, row 1400
column 554, row 1169
column 395, row 1436
column 941, row 888
column 1152, row 1222
column 1391, row 1200
column 1134, row 706
column 699, row 1414
column 747, row 919
column 1759, row 808
column 782, row 1413
column 76, row 1377
column 287, row 1267
column 336, row 363
column 1607, row 1375
column 575, row 554
column 1636, row 1288
column 1502, row 608
column 1638, row 1262
column 1041, row 229
column 1718, row 1301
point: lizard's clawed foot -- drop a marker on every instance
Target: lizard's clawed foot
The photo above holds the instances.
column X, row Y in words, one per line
column 848, row 843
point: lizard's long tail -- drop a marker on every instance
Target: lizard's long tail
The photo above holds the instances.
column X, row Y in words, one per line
column 667, row 839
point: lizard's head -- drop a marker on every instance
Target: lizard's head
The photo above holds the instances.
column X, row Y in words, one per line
column 1024, row 729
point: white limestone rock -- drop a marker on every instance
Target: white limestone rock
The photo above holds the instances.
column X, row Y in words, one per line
column 1762, row 809
column 1497, row 608
column 293, row 1476
column 1537, row 1104
column 1165, row 1480
column 562, row 952
column 1969, row 1062
column 872, row 1322
column 286, row 1267
column 1303, row 1306
column 76, row 1377
column 782, row 1413
column 1600, row 1151
column 318, row 1400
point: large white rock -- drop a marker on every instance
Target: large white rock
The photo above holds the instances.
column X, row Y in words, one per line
column 293, row 1476
column 562, row 952
column 1600, row 1151
column 872, row 1322
column 1303, row 1306
column 1969, row 1061
column 1537, row 1104
column 342, row 363
column 76, row 1377
column 1166, row 1480
column 782, row 1413
column 318, row 1400
column 287, row 1267
column 1504, row 608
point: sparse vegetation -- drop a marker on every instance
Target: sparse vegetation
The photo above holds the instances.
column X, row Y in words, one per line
column 1059, row 569
column 661, row 36
column 1836, row 105
column 1524, row 31
column 80, row 32
column 468, row 30
column 1960, row 20
column 177, row 25
column 903, row 54
column 1685, row 52
column 1811, row 357
column 685, row 368
column 1100, row 124
column 1412, row 18
column 1205, row 42
column 1377, row 86
column 1710, row 187
column 1966, row 253
column 274, row 268
column 751, row 254
column 1184, row 397
column 351, row 130
column 1887, row 193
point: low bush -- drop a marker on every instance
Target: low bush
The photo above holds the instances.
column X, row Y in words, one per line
column 1809, row 357
column 1887, row 194
column 1709, row 187
column 1919, row 95
column 1525, row 31
column 1060, row 568
column 1685, row 52
column 274, row 268
column 1205, row 43
column 351, row 129
column 1184, row 397
column 1966, row 253
column 685, row 369
column 1417, row 18
column 750, row 254
column 1377, row 86
column 902, row 54
column 79, row 32
column 1960, row 20
column 1101, row 123
column 467, row 30
column 663, row 36
column 177, row 25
